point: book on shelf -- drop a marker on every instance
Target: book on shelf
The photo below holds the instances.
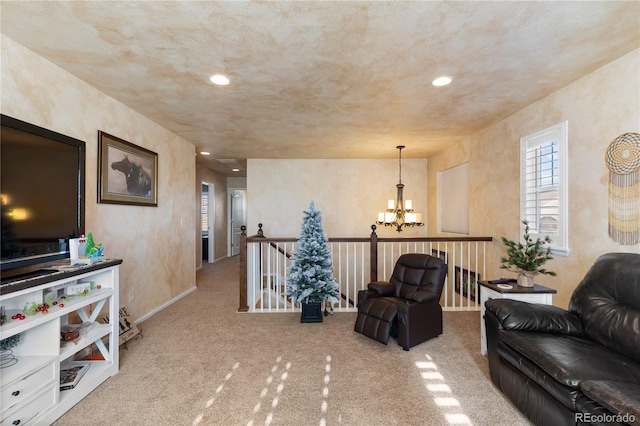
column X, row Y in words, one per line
column 71, row 373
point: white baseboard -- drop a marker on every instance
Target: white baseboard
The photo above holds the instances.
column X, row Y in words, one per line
column 161, row 307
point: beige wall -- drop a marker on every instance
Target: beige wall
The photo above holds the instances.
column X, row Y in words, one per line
column 158, row 251
column 598, row 107
column 349, row 193
column 220, row 225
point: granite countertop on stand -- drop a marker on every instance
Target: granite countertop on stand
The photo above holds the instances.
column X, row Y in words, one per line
column 31, row 276
column 515, row 288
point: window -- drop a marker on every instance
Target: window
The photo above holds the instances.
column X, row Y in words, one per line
column 543, row 185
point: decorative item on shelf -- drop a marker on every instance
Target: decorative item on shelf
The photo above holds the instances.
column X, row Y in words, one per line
column 69, row 333
column 80, row 288
column 310, row 280
column 526, row 278
column 71, row 373
column 92, row 249
column 399, row 213
column 526, row 259
column 7, row 358
column 84, row 251
column 32, row 308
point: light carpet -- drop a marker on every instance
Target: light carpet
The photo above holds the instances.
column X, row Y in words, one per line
column 202, row 363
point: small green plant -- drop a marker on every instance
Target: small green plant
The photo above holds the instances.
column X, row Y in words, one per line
column 529, row 256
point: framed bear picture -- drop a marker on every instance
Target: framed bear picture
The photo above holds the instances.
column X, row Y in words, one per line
column 127, row 173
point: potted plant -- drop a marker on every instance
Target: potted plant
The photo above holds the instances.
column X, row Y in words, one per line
column 310, row 280
column 526, row 259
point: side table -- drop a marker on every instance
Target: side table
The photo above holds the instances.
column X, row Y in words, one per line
column 536, row 294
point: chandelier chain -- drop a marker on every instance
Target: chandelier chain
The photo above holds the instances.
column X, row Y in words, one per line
column 400, row 164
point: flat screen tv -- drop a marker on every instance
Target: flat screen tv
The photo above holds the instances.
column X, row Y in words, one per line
column 42, row 177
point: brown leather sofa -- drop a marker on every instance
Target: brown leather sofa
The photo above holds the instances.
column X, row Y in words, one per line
column 580, row 366
column 406, row 307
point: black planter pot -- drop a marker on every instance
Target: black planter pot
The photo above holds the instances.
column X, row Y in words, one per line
column 311, row 312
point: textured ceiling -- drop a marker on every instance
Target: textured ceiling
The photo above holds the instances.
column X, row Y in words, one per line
column 325, row 79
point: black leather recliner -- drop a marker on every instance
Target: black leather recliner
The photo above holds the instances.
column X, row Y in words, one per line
column 407, row 306
column 580, row 366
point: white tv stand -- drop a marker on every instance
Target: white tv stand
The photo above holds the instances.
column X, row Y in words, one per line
column 30, row 389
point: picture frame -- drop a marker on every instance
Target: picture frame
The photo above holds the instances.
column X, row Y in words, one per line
column 461, row 279
column 127, row 173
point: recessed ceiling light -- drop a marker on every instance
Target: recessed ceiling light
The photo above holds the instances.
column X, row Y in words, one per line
column 205, row 153
column 235, row 170
column 441, row 81
column 219, row 79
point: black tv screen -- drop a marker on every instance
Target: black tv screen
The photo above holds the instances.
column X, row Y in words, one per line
column 42, row 189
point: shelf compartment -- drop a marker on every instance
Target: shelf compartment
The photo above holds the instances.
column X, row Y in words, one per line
column 92, row 378
column 94, row 335
column 71, row 304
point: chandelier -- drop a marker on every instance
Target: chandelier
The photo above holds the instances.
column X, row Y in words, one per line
column 399, row 212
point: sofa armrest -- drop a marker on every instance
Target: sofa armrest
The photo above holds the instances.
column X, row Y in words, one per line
column 519, row 315
column 365, row 295
column 621, row 398
column 376, row 289
column 421, row 296
column 382, row 288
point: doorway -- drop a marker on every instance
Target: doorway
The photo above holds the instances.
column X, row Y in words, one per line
column 207, row 219
column 237, row 218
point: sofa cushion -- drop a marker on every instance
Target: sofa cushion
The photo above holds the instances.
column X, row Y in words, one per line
column 533, row 401
column 375, row 317
column 565, row 395
column 621, row 398
column 414, row 271
column 607, row 301
column 571, row 360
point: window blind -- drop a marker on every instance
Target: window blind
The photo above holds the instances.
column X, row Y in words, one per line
column 541, row 186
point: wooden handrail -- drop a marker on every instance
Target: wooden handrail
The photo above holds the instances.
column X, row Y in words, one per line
column 373, row 241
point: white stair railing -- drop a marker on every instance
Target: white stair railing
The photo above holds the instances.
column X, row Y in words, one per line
column 266, row 261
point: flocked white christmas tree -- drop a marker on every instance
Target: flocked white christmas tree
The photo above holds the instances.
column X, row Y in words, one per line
column 311, row 270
